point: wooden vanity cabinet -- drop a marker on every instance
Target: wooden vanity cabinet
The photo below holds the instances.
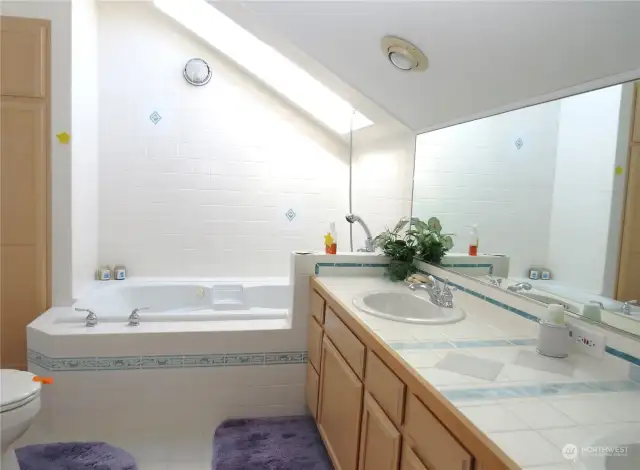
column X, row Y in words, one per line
column 374, row 412
column 339, row 408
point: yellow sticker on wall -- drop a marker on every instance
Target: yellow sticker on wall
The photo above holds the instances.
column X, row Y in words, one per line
column 619, row 170
column 63, row 137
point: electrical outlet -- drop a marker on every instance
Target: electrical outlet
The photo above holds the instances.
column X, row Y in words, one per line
column 587, row 341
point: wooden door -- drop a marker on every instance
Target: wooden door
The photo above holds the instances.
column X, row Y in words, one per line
column 379, row 438
column 24, row 183
column 635, row 136
column 410, row 460
column 339, row 408
column 629, row 274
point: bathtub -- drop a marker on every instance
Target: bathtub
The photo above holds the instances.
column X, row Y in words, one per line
column 184, row 301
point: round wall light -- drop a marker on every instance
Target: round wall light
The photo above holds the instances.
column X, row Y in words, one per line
column 403, row 55
column 197, row 72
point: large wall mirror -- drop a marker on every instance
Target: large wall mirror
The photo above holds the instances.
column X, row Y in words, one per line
column 554, row 191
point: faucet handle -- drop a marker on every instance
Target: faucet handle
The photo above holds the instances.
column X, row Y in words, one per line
column 91, row 319
column 139, row 309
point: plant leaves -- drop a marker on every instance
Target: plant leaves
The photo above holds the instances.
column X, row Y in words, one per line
column 434, row 224
column 447, row 241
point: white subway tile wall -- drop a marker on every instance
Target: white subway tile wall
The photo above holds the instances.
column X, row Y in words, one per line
column 206, row 190
column 474, row 173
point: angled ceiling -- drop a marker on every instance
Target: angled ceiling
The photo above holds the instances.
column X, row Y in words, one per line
column 484, row 57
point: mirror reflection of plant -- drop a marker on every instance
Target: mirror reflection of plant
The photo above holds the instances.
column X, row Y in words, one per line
column 423, row 240
column 431, row 243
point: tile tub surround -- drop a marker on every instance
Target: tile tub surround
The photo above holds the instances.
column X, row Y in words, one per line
column 524, row 408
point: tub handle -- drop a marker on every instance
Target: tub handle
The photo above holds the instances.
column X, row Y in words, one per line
column 92, row 318
column 134, row 318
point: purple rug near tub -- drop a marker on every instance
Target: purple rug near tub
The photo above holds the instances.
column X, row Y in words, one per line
column 74, row 456
column 284, row 443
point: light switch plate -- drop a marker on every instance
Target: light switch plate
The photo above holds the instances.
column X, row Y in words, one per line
column 586, row 340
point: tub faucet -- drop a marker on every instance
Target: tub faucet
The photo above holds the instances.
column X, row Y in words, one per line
column 626, row 307
column 520, row 286
column 368, row 243
column 134, row 318
column 494, row 281
column 92, row 318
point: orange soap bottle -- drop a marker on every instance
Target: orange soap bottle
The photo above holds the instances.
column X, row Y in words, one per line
column 474, row 241
column 331, row 240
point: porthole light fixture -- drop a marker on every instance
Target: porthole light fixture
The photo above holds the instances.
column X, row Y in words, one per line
column 403, row 55
column 197, row 72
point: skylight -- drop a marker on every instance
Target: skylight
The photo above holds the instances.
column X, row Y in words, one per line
column 265, row 63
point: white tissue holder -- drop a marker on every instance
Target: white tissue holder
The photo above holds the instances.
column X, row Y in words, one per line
column 553, row 339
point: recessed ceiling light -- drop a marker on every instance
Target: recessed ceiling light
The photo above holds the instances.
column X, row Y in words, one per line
column 403, row 55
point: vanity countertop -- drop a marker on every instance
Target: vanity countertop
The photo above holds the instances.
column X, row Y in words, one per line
column 529, row 405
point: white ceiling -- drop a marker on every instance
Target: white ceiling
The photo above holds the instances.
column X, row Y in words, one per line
column 484, row 57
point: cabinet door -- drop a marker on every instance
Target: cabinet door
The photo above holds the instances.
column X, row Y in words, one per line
column 410, row 460
column 636, row 125
column 339, row 408
column 379, row 439
column 23, row 223
column 314, row 343
column 311, row 390
column 24, row 57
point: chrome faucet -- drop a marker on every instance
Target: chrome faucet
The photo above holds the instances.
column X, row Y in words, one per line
column 494, row 281
column 368, row 243
column 92, row 318
column 442, row 297
column 134, row 318
column 626, row 307
column 520, row 286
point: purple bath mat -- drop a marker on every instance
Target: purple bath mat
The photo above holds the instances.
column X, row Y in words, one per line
column 284, row 443
column 74, row 456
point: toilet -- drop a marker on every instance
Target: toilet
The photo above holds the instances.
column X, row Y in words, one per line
column 19, row 405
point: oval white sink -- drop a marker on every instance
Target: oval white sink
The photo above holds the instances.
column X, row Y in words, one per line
column 406, row 307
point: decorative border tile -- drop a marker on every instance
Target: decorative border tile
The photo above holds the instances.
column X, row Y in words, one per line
column 69, row 364
column 465, row 265
column 349, row 265
column 462, row 344
column 543, row 390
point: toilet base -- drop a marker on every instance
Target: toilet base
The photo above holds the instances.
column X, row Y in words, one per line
column 9, row 460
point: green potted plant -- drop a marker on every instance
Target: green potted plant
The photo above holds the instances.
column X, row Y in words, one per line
column 430, row 243
column 401, row 248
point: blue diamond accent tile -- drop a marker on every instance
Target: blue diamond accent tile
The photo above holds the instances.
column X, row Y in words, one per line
column 290, row 215
column 155, row 117
column 519, row 143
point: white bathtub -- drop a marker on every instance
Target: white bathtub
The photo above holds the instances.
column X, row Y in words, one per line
column 185, row 300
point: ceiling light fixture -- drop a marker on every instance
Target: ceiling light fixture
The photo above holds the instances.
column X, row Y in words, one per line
column 403, row 55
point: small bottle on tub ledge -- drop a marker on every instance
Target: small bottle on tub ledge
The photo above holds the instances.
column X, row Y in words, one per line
column 331, row 240
column 119, row 272
column 103, row 273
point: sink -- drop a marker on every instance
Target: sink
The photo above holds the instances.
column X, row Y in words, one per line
column 617, row 450
column 406, row 307
column 546, row 299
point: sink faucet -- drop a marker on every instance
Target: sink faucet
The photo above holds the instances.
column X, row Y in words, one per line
column 368, row 243
column 442, row 297
column 626, row 307
column 520, row 286
column 92, row 318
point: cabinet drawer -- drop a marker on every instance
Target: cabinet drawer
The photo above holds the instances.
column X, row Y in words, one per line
column 386, row 388
column 347, row 343
column 317, row 306
column 311, row 390
column 431, row 441
column 314, row 343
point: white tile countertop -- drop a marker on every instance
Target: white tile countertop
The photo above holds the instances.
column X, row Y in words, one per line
column 529, row 405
